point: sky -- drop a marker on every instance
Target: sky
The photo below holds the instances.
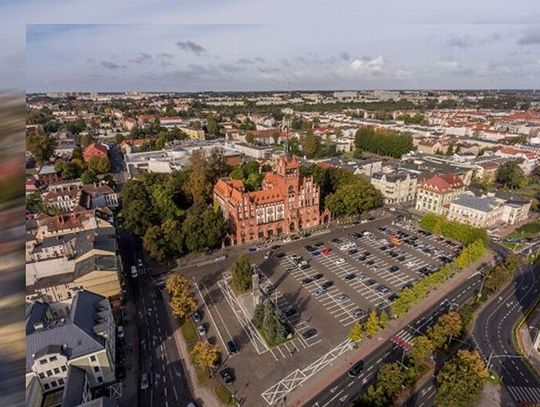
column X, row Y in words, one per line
column 220, row 45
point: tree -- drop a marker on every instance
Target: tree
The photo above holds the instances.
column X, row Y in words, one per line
column 34, row 203
column 371, row 326
column 241, row 274
column 198, row 187
column 173, row 236
column 383, row 142
column 421, row 350
column 311, row 144
column 100, row 165
column 510, row 174
column 447, row 324
column 356, row 334
column 86, row 140
column 41, row 146
column 273, row 328
column 250, row 138
column 212, row 126
column 353, row 198
column 77, row 154
column 203, row 229
column 390, row 379
column 461, row 380
column 88, row 177
column 137, row 213
column 383, row 319
column 205, row 354
column 154, row 243
column 69, row 169
column 216, row 165
column 182, row 301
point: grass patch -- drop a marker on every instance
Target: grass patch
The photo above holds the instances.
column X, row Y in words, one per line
column 223, row 394
column 189, row 332
column 529, row 230
column 203, row 377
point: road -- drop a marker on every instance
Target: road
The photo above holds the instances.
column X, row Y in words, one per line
column 346, row 389
column 493, row 331
column 158, row 354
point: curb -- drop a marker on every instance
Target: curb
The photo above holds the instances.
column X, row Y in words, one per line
column 516, row 341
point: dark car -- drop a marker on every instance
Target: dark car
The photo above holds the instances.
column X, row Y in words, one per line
column 401, row 258
column 350, row 276
column 393, row 254
column 327, row 285
column 319, row 244
column 305, row 266
column 232, row 348
column 356, row 235
column 336, row 240
column 280, row 255
column 392, row 297
column 382, row 289
column 197, row 317
column 367, row 254
column 309, row 333
column 309, row 248
column 371, row 282
column 383, row 248
column 289, row 312
column 275, row 247
column 370, row 262
column 362, row 258
column 317, row 276
column 364, row 276
column 307, row 280
column 227, row 376
column 353, row 251
column 356, row 369
column 393, row 269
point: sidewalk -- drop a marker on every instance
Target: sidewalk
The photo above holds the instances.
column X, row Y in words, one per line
column 312, row 387
column 203, row 395
column 130, row 389
column 526, row 336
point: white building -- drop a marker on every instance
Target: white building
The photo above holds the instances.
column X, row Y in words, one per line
column 396, row 188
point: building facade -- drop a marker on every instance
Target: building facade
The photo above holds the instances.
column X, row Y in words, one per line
column 436, row 193
column 396, row 188
column 286, row 204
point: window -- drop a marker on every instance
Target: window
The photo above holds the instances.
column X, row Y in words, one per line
column 53, row 383
column 64, row 368
column 92, row 358
column 96, row 369
column 61, row 382
column 46, row 386
column 43, row 361
column 42, row 375
column 56, row 370
column 53, row 359
column 49, row 372
column 100, row 379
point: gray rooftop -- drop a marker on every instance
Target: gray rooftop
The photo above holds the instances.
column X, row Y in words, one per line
column 484, row 204
column 74, row 388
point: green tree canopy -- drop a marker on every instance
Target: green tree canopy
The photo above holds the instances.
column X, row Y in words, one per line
column 383, row 142
column 41, row 146
column 353, row 198
column 461, row 380
column 241, row 274
column 510, row 175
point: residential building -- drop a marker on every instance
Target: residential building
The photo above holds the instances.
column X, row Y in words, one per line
column 482, row 212
column 436, row 192
column 79, row 336
column 397, row 187
column 286, row 204
column 95, row 150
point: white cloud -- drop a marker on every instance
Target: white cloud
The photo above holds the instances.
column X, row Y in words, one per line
column 368, row 65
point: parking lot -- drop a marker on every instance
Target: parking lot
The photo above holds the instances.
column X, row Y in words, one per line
column 321, row 285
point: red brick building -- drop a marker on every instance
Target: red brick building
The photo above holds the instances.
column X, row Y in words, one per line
column 95, row 150
column 286, row 204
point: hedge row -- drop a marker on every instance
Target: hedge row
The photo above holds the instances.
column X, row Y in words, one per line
column 463, row 233
column 411, row 296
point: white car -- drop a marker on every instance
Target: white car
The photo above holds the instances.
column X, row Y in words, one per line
column 201, row 329
column 287, row 240
column 144, row 381
column 221, row 258
column 120, row 332
column 342, row 297
column 340, row 260
column 411, row 264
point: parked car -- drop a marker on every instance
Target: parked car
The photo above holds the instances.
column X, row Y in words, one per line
column 289, row 312
column 370, row 262
column 319, row 244
column 367, row 254
column 319, row 291
column 383, row 289
column 371, row 282
column 227, row 376
column 356, row 369
column 305, row 266
column 232, row 348
column 221, row 258
column 327, row 285
column 268, row 254
column 350, row 276
column 352, row 251
column 252, row 249
column 359, row 313
column 315, row 253
column 275, row 247
column 317, row 276
column 144, row 381
column 280, row 255
column 307, row 280
column 197, row 317
column 340, row 261
column 325, row 251
column 201, row 329
column 342, row 297
column 393, row 269
column 392, row 297
column 309, row 333
column 120, row 332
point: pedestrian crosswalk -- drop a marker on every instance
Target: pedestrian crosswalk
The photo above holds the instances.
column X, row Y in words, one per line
column 403, row 339
column 520, row 393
